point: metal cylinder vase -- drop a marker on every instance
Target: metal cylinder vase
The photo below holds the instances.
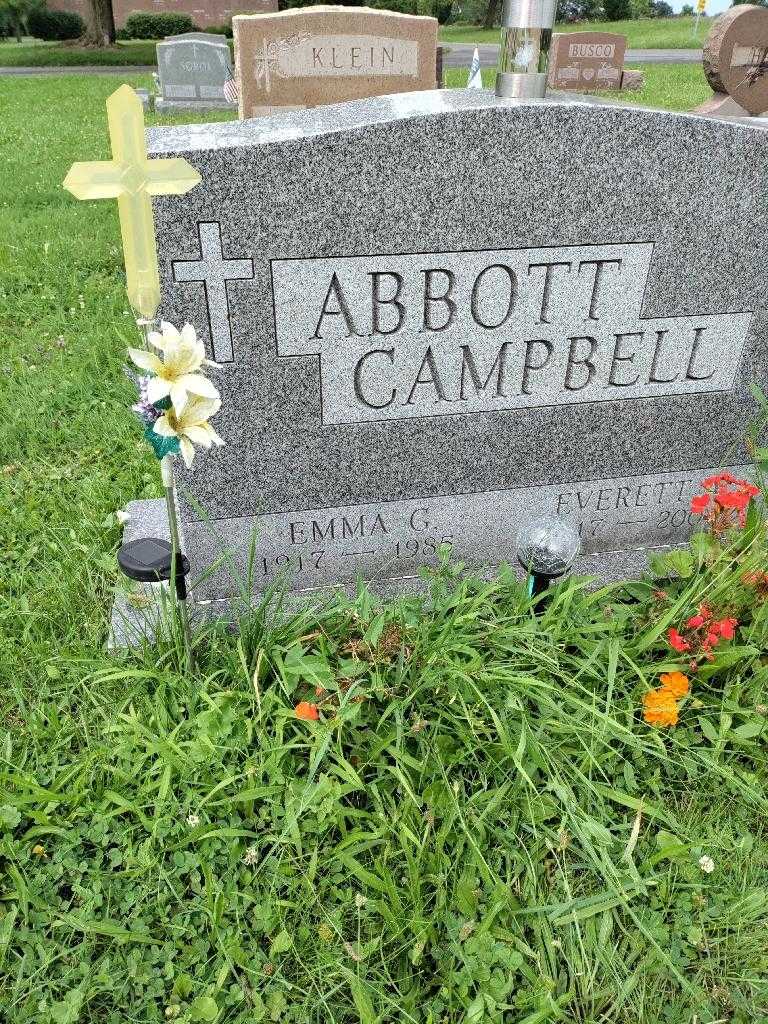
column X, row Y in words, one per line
column 526, row 34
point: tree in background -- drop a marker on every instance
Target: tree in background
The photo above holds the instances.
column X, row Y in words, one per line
column 491, row 13
column 661, row 9
column 14, row 15
column 617, row 10
column 577, row 10
column 100, row 22
column 687, row 11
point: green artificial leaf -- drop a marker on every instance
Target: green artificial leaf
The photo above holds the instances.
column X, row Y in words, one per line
column 161, row 446
column 203, row 1008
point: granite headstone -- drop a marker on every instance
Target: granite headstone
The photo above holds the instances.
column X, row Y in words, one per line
column 437, row 314
column 193, row 68
column 586, row 61
column 311, row 56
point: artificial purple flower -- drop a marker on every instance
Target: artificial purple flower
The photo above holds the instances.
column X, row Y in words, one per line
column 144, row 409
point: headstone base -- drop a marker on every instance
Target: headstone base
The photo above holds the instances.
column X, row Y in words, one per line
column 142, row 614
column 721, row 105
column 632, row 79
column 163, row 106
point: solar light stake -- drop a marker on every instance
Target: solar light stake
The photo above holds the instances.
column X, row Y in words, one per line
column 166, row 471
column 526, row 34
column 547, row 547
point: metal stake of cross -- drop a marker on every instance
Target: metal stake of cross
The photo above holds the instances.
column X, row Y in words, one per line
column 214, row 270
column 131, row 178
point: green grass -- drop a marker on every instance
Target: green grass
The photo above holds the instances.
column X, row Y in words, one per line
column 667, row 86
column 33, row 53
column 658, row 33
column 647, row 34
column 492, row 836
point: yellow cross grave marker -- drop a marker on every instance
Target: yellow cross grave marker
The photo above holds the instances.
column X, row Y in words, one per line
column 131, row 178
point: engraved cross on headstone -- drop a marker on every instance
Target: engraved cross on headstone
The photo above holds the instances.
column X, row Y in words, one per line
column 213, row 270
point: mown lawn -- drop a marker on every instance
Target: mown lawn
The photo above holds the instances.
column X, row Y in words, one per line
column 643, row 34
column 491, row 835
column 659, row 33
column 35, row 53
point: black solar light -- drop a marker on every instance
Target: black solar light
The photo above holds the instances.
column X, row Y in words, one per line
column 547, row 547
column 150, row 560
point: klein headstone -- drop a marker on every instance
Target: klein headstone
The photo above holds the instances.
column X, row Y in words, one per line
column 423, row 341
column 193, row 69
column 736, row 62
column 310, row 56
column 586, row 61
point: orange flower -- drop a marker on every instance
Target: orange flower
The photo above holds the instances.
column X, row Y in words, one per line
column 307, row 711
column 675, row 683
column 660, row 707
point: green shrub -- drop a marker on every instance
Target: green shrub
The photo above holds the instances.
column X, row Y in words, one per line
column 150, row 25
column 617, row 10
column 221, row 30
column 45, row 24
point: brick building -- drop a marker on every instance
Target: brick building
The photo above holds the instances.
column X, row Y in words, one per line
column 202, row 12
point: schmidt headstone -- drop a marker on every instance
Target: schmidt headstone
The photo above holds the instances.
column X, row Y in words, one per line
column 193, row 69
column 311, row 56
column 439, row 314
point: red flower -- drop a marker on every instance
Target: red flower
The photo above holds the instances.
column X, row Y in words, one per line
column 695, row 621
column 733, row 499
column 307, row 711
column 677, row 642
column 726, row 628
column 711, row 640
column 700, row 503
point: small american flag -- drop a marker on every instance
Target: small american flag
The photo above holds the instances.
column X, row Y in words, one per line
column 475, row 75
column 230, row 86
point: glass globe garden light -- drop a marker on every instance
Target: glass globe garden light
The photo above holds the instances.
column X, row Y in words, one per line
column 547, row 547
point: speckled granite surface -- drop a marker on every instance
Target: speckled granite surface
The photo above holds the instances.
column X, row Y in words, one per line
column 679, row 203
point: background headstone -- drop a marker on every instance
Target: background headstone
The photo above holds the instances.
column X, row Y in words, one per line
column 632, row 79
column 310, row 56
column 736, row 60
column 192, row 69
column 423, row 341
column 586, row 61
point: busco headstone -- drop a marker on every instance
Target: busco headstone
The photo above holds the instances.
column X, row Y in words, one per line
column 311, row 56
column 586, row 61
column 438, row 314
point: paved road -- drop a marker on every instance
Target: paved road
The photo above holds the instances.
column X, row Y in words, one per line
column 459, row 55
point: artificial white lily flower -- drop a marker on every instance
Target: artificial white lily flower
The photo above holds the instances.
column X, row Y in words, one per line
column 175, row 375
column 191, row 426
